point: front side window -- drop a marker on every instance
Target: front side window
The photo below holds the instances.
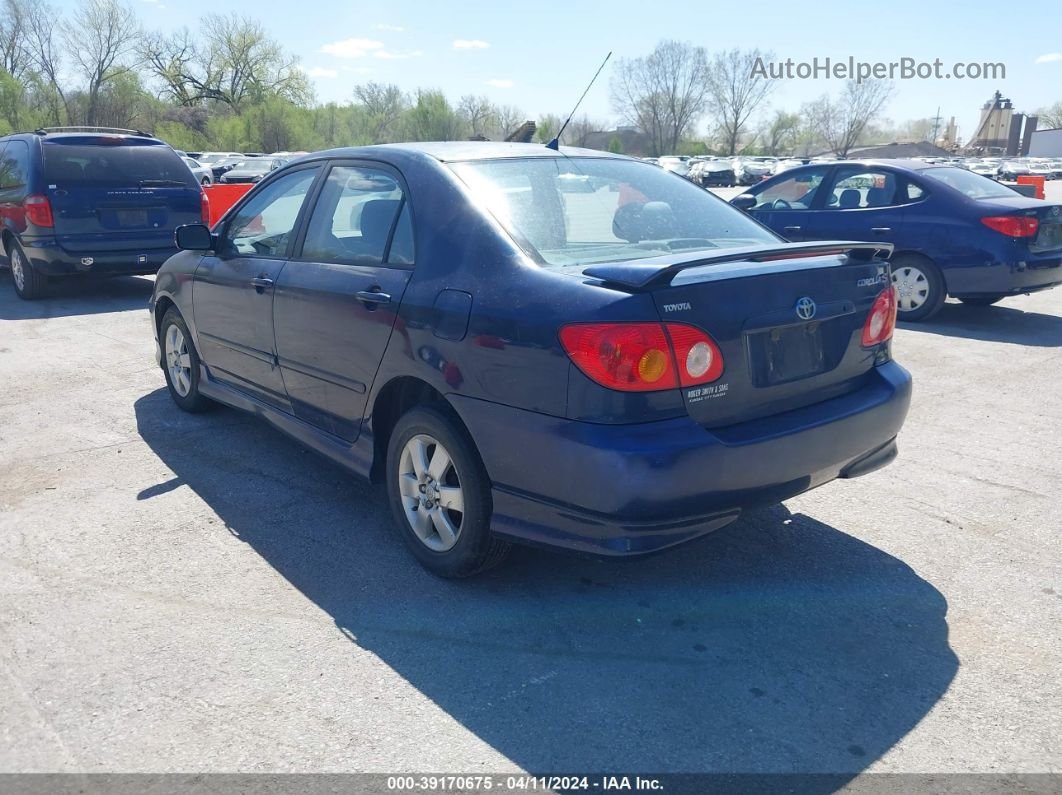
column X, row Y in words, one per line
column 354, row 217
column 578, row 211
column 795, row 192
column 262, row 226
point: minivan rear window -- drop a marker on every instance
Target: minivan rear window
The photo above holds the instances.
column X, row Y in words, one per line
column 115, row 165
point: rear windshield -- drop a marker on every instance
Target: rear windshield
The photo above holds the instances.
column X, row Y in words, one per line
column 571, row 212
column 973, row 185
column 115, row 165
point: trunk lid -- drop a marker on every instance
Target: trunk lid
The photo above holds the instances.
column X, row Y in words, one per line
column 117, row 196
column 788, row 322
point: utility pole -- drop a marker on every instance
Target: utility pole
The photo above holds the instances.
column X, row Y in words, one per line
column 936, row 126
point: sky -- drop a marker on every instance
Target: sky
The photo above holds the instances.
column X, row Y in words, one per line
column 539, row 56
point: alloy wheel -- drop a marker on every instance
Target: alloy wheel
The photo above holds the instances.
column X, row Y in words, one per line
column 432, row 497
column 18, row 270
column 178, row 360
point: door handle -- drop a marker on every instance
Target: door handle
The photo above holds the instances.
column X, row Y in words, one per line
column 261, row 283
column 791, row 229
column 881, row 229
column 373, row 297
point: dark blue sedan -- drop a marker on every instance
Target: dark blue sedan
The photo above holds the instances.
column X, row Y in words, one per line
column 571, row 349
column 954, row 232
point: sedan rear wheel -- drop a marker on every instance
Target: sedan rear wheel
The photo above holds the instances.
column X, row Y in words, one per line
column 440, row 494
column 920, row 290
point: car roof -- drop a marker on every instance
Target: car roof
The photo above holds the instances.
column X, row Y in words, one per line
column 908, row 165
column 453, row 151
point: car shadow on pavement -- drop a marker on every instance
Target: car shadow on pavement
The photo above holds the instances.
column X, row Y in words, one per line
column 994, row 324
column 76, row 296
column 779, row 644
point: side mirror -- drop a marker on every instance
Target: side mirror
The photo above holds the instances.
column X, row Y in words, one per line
column 194, row 237
column 746, row 201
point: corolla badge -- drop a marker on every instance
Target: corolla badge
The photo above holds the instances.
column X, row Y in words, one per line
column 805, row 308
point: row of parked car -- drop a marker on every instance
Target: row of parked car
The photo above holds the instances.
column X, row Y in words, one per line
column 234, row 167
column 712, row 171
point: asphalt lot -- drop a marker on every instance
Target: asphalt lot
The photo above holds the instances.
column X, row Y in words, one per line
column 196, row 593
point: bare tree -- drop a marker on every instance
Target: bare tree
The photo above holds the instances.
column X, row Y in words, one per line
column 780, row 133
column 664, row 93
column 840, row 122
column 384, row 105
column 42, row 41
column 101, row 38
column 737, row 90
column 507, row 119
column 1050, row 117
column 16, row 57
column 174, row 60
column 478, row 114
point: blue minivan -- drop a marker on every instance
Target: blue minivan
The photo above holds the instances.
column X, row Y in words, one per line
column 88, row 200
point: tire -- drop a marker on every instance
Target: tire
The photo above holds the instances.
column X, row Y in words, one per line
column 204, row 181
column 29, row 283
column 920, row 286
column 180, row 364
column 447, row 542
column 981, row 300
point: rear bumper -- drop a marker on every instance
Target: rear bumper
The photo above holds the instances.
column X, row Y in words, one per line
column 52, row 260
column 633, row 489
column 1006, row 278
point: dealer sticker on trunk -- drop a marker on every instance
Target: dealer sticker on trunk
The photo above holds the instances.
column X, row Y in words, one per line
column 707, row 392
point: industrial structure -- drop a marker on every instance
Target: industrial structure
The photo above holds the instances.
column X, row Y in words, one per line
column 1002, row 130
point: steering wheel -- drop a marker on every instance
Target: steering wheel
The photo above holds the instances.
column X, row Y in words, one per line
column 781, row 204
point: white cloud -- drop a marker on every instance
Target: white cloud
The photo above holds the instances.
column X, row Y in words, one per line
column 470, row 44
column 352, row 48
column 1050, row 57
column 357, row 70
column 501, row 83
column 390, row 55
column 320, row 71
column 391, row 28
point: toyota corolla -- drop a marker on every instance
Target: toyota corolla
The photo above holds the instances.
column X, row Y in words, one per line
column 615, row 369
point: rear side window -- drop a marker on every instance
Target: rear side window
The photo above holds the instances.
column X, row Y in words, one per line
column 115, row 165
column 14, row 165
column 354, row 216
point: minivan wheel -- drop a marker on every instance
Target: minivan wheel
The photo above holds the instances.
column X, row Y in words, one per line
column 440, row 495
column 920, row 290
column 29, row 282
column 180, row 363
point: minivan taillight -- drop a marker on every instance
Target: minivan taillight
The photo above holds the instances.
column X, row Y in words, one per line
column 39, row 211
column 642, row 357
column 1013, row 225
column 204, row 207
column 881, row 321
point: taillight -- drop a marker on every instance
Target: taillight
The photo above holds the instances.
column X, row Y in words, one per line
column 698, row 358
column 881, row 321
column 642, row 357
column 39, row 211
column 1013, row 225
column 204, row 207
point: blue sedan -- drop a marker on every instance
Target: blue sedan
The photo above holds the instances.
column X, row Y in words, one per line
column 954, row 232
column 564, row 348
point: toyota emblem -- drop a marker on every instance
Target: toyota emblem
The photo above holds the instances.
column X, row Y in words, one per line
column 805, row 308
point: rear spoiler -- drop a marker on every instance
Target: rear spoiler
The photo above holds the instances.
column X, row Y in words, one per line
column 646, row 274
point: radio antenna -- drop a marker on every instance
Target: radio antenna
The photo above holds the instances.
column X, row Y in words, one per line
column 555, row 143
